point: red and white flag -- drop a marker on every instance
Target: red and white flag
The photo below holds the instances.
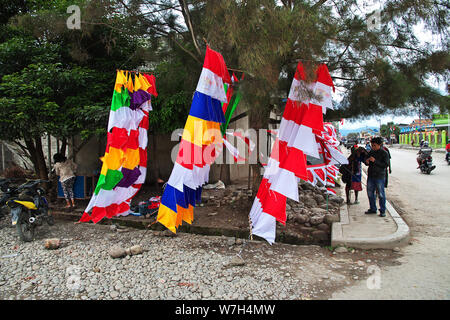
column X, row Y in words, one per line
column 302, row 120
column 238, row 156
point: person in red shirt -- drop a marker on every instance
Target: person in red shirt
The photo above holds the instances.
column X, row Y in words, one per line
column 447, row 149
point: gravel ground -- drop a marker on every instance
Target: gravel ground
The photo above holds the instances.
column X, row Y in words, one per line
column 183, row 267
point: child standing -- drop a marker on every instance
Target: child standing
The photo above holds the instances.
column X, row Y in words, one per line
column 358, row 155
column 65, row 169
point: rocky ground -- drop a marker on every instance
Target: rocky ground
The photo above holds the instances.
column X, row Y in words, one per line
column 308, row 221
column 226, row 212
column 185, row 266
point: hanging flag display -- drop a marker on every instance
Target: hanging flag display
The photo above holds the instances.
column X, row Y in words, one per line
column 125, row 161
column 235, row 151
column 197, row 149
column 301, row 133
column 228, row 108
column 233, row 99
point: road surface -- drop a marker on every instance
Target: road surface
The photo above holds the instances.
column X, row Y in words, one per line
column 423, row 201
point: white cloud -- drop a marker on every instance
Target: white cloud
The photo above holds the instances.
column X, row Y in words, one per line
column 375, row 121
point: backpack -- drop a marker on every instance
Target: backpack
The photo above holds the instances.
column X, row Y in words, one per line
column 346, row 173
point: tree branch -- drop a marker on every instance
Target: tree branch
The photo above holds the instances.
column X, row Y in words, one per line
column 185, row 50
column 349, row 79
column 187, row 19
column 165, row 33
column 21, row 146
column 318, row 4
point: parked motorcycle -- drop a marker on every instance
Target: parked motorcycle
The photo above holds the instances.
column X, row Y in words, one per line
column 4, row 197
column 28, row 207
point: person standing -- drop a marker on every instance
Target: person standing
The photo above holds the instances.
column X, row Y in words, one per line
column 65, row 169
column 447, row 150
column 377, row 161
column 389, row 165
column 354, row 160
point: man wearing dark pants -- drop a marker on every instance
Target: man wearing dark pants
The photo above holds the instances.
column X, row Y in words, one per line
column 378, row 161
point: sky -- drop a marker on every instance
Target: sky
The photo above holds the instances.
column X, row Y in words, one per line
column 350, row 124
column 375, row 121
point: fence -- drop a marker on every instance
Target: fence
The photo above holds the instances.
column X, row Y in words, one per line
column 436, row 139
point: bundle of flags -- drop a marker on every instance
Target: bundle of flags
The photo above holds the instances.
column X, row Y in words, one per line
column 326, row 171
column 125, row 161
column 234, row 97
column 197, row 149
column 301, row 134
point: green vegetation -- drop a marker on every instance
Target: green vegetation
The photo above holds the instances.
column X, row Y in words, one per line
column 58, row 81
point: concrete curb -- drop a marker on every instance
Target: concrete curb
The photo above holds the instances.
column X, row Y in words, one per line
column 396, row 239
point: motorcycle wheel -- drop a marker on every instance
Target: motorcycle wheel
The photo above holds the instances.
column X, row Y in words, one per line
column 24, row 228
column 3, row 212
column 50, row 220
column 38, row 221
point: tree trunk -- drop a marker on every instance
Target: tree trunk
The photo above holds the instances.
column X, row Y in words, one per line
column 225, row 174
column 34, row 147
column 63, row 146
column 42, row 171
column 258, row 119
column 32, row 152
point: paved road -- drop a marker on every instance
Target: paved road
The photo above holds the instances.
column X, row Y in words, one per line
column 424, row 202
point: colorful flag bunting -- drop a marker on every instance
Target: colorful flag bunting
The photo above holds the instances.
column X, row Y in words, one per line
column 197, row 149
column 125, row 161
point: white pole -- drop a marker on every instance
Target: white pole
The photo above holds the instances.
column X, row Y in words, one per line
column 326, row 189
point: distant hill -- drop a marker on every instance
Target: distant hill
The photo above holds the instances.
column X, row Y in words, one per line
column 344, row 132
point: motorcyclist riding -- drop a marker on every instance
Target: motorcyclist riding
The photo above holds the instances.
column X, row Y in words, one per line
column 423, row 153
column 422, row 143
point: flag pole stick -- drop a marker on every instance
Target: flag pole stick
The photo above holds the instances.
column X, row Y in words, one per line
column 326, row 189
column 250, row 227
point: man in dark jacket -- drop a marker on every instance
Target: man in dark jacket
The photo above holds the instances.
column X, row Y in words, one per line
column 378, row 161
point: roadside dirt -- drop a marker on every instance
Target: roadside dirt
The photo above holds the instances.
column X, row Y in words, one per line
column 316, row 271
column 219, row 209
